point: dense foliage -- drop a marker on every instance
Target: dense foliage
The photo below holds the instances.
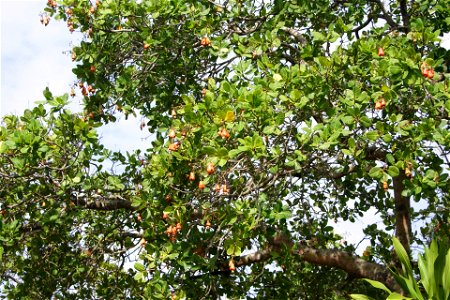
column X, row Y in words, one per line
column 267, row 119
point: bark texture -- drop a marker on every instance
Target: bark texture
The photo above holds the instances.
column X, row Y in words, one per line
column 352, row 265
column 402, row 213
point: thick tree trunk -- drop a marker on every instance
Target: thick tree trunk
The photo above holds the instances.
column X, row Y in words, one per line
column 402, row 212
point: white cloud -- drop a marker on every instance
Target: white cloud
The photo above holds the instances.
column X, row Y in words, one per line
column 31, row 56
column 34, row 56
column 352, row 232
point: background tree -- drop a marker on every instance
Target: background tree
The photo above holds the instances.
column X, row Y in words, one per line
column 267, row 120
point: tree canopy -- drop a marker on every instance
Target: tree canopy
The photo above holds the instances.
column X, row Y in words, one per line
column 267, row 119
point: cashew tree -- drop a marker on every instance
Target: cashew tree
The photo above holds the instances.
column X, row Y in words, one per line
column 266, row 120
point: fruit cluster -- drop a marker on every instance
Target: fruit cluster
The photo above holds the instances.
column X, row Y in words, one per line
column 205, row 41
column 427, row 72
column 45, row 20
column 385, row 186
column 210, row 169
column 224, row 133
column 85, row 91
column 380, row 104
column 208, row 224
column 174, row 146
column 201, row 185
column 231, row 265
column 172, row 231
column 221, row 188
column 52, row 3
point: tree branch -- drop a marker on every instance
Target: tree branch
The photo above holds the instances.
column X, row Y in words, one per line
column 258, row 256
column 296, row 34
column 362, row 25
column 299, row 37
column 405, row 15
column 322, row 168
column 100, row 202
column 385, row 15
column 353, row 265
column 27, row 228
column 374, row 153
column 350, row 264
column 131, row 234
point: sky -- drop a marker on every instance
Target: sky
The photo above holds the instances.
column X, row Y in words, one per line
column 31, row 56
column 34, row 57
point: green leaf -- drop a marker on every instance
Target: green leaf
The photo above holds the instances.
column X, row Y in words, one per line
column 387, row 138
column 397, row 296
column 139, row 276
column 325, row 146
column 18, row 163
column 348, row 120
column 376, row 172
column 407, row 280
column 281, row 215
column 365, row 121
column 318, row 36
column 426, row 265
column 47, row 94
column 209, row 150
column 234, row 250
column 378, row 285
column 235, row 152
column 360, row 297
column 402, row 281
column 372, row 135
column 226, row 86
column 426, row 277
column 402, row 256
column 233, row 247
column 393, row 171
column 395, row 69
column 446, row 276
